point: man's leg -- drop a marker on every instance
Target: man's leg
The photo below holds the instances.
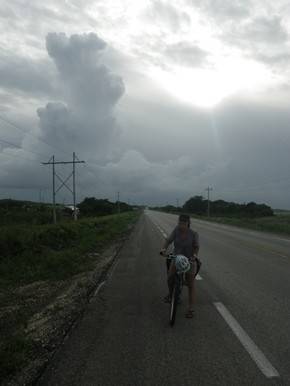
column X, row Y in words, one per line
column 190, row 278
column 191, row 291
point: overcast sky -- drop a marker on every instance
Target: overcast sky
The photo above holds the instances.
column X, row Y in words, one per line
column 160, row 98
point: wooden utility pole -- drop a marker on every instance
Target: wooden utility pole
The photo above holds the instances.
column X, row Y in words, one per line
column 208, row 202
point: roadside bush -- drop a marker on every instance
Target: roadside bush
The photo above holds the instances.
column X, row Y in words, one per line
column 57, row 251
column 58, row 237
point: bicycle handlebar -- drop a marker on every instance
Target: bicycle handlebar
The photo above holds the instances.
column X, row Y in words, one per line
column 172, row 254
column 196, row 258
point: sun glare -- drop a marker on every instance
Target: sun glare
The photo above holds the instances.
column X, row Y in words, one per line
column 208, row 87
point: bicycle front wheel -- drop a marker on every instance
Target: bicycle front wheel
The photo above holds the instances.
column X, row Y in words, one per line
column 173, row 305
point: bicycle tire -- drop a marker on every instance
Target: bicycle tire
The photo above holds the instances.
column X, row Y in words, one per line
column 175, row 296
column 173, row 306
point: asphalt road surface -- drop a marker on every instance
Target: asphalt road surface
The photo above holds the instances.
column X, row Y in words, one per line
column 240, row 334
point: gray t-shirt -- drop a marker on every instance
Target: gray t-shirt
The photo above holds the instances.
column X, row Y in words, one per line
column 184, row 243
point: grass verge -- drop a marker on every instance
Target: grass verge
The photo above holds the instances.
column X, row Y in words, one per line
column 36, row 264
column 279, row 224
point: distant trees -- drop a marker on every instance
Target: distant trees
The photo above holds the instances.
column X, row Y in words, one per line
column 92, row 206
column 195, row 205
column 198, row 205
column 219, row 208
column 257, row 210
column 28, row 212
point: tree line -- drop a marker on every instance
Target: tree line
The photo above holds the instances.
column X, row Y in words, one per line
column 92, row 206
column 220, row 208
column 19, row 212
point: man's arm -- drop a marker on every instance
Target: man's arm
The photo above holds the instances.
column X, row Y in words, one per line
column 168, row 241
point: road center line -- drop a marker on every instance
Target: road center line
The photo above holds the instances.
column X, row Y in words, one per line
column 253, row 350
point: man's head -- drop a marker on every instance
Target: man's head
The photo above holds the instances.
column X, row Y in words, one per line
column 183, row 221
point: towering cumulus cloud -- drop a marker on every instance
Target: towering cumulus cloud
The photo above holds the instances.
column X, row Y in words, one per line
column 83, row 118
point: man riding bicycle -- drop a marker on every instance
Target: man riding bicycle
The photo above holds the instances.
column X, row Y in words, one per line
column 186, row 242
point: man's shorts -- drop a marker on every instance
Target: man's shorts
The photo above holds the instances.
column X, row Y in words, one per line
column 193, row 267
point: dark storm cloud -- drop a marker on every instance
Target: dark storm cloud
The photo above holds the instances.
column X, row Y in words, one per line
column 165, row 149
column 239, row 148
column 255, row 141
column 88, row 82
column 85, row 119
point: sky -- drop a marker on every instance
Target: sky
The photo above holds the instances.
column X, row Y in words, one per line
column 161, row 99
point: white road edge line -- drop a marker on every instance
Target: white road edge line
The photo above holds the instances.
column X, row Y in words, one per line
column 253, row 350
column 279, row 239
column 99, row 287
column 113, row 269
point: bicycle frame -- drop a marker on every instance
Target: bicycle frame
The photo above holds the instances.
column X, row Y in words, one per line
column 175, row 289
column 176, row 286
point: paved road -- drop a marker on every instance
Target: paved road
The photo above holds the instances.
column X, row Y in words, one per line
column 240, row 333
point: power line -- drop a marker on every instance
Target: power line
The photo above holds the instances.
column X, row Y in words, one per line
column 17, row 156
column 20, row 147
column 29, row 133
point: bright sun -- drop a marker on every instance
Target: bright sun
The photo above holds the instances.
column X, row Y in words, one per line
column 207, row 87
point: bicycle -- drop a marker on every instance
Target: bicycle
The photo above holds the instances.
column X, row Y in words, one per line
column 178, row 280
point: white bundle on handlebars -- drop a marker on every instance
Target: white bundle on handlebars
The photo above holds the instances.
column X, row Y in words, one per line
column 181, row 263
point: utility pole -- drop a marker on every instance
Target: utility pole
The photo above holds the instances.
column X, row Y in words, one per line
column 74, row 185
column 177, row 203
column 63, row 182
column 53, row 190
column 118, row 202
column 208, row 189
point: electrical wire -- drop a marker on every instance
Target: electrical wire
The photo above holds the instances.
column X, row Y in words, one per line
column 29, row 133
column 21, row 148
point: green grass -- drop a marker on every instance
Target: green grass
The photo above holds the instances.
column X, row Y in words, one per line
column 55, row 252
column 49, row 253
column 33, row 215
column 274, row 224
